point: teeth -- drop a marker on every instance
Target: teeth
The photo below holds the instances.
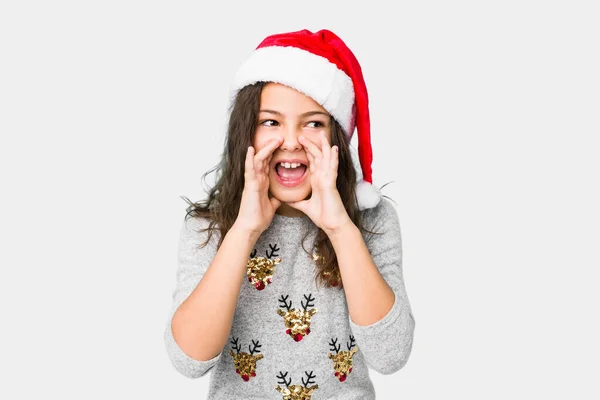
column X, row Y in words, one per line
column 290, row 165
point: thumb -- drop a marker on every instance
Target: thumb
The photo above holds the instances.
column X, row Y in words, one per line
column 299, row 205
column 275, row 202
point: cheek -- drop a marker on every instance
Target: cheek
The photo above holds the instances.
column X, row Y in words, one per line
column 328, row 136
column 262, row 137
column 315, row 136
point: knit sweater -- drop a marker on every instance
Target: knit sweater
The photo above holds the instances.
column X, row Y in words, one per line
column 289, row 337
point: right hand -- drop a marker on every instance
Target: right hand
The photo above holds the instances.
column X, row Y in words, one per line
column 256, row 208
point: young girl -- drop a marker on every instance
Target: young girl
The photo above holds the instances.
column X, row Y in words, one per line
column 289, row 284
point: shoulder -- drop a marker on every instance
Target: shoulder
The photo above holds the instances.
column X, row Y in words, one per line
column 192, row 223
column 380, row 225
column 384, row 212
column 197, row 230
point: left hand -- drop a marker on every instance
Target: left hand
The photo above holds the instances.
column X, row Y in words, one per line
column 325, row 207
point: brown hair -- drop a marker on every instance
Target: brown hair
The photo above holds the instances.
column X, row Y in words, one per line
column 222, row 205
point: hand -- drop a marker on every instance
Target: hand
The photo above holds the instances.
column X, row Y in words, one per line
column 325, row 207
column 256, row 208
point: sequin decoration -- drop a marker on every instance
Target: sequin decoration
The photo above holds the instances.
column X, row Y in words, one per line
column 333, row 279
column 297, row 321
column 342, row 360
column 245, row 363
column 260, row 270
column 296, row 392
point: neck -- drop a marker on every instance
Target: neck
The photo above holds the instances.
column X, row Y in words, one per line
column 288, row 211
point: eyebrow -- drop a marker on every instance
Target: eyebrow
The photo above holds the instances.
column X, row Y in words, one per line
column 306, row 114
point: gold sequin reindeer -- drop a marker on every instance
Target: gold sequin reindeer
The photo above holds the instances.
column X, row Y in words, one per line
column 297, row 321
column 260, row 270
column 296, row 392
column 245, row 363
column 342, row 360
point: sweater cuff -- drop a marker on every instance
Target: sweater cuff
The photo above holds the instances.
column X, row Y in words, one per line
column 183, row 363
column 381, row 325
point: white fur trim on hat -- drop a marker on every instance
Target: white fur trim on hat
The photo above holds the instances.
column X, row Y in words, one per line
column 306, row 72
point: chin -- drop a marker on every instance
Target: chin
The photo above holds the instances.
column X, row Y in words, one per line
column 288, row 195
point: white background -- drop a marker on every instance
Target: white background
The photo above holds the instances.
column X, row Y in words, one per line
column 485, row 115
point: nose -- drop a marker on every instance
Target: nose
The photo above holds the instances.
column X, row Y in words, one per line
column 290, row 139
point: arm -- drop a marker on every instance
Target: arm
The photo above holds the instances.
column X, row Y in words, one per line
column 204, row 300
column 380, row 314
column 371, row 272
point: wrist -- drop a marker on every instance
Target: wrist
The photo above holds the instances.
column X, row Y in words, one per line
column 344, row 229
column 244, row 233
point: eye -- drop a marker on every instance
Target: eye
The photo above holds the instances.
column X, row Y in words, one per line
column 269, row 122
column 315, row 124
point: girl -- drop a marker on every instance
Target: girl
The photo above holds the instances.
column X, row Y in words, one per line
column 289, row 283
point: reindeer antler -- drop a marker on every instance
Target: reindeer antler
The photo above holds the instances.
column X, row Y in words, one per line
column 255, row 349
column 283, row 300
column 273, row 249
column 308, row 302
column 352, row 344
column 253, row 254
column 334, row 346
column 282, row 380
column 308, row 381
column 235, row 345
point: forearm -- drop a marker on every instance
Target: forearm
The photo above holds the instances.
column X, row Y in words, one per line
column 368, row 295
column 202, row 323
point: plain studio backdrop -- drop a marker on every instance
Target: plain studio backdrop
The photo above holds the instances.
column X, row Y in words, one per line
column 485, row 118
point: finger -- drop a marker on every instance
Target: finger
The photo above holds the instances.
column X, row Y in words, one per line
column 325, row 149
column 249, row 164
column 334, row 162
column 309, row 145
column 324, row 140
column 268, row 149
column 311, row 161
column 299, row 205
column 267, row 164
column 275, row 202
column 312, row 148
column 264, row 156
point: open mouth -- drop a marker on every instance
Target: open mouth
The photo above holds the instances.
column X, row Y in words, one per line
column 291, row 172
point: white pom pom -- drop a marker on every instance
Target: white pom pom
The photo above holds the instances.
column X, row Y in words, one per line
column 368, row 196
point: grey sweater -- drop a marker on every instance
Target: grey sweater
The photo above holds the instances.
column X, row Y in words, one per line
column 291, row 339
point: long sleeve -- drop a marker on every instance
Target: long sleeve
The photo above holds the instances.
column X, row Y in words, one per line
column 192, row 264
column 387, row 343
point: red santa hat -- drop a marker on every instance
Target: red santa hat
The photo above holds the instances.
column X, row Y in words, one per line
column 321, row 66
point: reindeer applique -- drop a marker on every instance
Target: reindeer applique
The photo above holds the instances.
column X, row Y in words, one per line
column 342, row 360
column 297, row 321
column 245, row 363
column 260, row 269
column 296, row 392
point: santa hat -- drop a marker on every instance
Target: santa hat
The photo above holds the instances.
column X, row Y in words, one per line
column 321, row 66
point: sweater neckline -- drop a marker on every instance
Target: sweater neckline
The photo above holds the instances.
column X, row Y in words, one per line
column 297, row 221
